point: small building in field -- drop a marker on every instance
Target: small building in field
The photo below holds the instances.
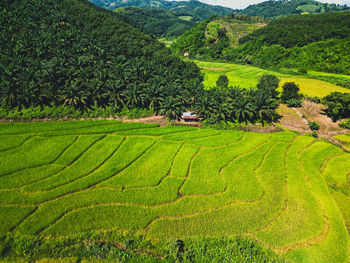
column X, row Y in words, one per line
column 189, row 116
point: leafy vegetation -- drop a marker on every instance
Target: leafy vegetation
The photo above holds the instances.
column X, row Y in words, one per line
column 274, row 9
column 338, row 105
column 299, row 42
column 158, row 23
column 255, row 185
column 215, row 37
column 101, row 247
column 82, row 56
column 193, row 9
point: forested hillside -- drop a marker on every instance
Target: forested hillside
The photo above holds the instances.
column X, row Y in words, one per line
column 319, row 42
column 158, row 23
column 274, row 9
column 215, row 37
column 70, row 52
column 193, row 10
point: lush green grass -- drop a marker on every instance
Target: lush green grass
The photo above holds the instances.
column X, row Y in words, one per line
column 177, row 182
column 247, row 77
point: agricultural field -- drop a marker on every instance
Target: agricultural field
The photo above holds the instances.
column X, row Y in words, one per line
column 345, row 139
column 247, row 77
column 288, row 192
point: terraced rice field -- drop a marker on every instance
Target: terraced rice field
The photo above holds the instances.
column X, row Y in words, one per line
column 62, row 178
column 247, row 77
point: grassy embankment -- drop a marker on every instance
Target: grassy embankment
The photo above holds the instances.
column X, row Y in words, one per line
column 65, row 178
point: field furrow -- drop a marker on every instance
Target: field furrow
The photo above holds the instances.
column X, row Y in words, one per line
column 287, row 191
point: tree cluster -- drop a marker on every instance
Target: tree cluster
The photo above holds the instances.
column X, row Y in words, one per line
column 71, row 53
column 197, row 10
column 274, row 9
column 338, row 105
column 158, row 23
column 224, row 103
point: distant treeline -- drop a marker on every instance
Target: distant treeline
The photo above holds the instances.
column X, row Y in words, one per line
column 196, row 10
column 318, row 42
column 274, row 9
column 158, row 23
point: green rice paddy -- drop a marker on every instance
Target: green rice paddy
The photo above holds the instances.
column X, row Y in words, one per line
column 247, row 77
column 289, row 192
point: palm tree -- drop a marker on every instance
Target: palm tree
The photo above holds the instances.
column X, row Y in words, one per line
column 152, row 95
column 263, row 105
column 73, row 94
column 203, row 105
column 132, row 96
column 171, row 107
column 244, row 110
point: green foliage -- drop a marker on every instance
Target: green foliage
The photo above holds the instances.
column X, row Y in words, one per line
column 222, row 82
column 158, row 23
column 269, row 84
column 345, row 124
column 275, row 9
column 87, row 61
column 314, row 126
column 290, row 93
column 102, row 246
column 215, row 37
column 338, row 105
column 197, row 10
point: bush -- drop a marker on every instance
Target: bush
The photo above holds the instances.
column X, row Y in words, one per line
column 302, row 71
column 314, row 134
column 294, row 103
column 345, row 124
column 314, row 126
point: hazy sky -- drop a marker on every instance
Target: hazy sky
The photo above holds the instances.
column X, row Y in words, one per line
column 239, row 4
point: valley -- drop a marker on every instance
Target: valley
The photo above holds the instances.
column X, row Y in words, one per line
column 174, row 131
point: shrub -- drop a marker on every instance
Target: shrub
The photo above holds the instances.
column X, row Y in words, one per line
column 314, row 126
column 345, row 124
column 314, row 134
column 302, row 71
column 294, row 103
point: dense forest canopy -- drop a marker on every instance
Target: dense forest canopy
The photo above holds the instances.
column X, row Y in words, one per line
column 71, row 52
column 302, row 30
column 155, row 22
column 193, row 9
column 273, row 9
column 317, row 42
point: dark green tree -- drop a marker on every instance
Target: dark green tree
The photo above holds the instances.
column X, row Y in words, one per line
column 290, row 91
column 222, row 82
column 269, row 84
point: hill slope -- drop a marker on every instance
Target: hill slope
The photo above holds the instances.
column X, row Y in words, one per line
column 274, row 9
column 316, row 42
column 193, row 9
column 214, row 37
column 72, row 52
column 158, row 23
